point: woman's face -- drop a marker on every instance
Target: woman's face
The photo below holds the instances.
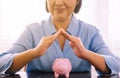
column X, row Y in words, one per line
column 61, row 9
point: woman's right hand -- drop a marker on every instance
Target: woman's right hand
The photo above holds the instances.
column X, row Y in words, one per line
column 31, row 54
column 45, row 43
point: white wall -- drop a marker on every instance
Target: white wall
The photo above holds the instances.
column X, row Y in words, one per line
column 96, row 12
column 15, row 15
column 114, row 26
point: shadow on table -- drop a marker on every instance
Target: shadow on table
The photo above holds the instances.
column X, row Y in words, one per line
column 51, row 75
column 109, row 76
column 9, row 76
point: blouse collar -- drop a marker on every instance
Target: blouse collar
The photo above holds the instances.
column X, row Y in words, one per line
column 72, row 29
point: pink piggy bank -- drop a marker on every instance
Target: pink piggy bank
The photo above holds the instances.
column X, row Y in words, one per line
column 61, row 66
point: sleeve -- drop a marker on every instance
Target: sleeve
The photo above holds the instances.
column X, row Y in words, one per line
column 24, row 42
column 5, row 61
column 98, row 45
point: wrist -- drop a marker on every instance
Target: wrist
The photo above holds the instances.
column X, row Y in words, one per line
column 33, row 53
column 86, row 54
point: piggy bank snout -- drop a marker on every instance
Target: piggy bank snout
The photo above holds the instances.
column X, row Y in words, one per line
column 62, row 66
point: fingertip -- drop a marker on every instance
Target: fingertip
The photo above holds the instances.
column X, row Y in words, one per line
column 56, row 34
column 65, row 34
column 62, row 30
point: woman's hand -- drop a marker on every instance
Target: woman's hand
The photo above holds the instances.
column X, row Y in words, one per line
column 83, row 53
column 76, row 44
column 45, row 43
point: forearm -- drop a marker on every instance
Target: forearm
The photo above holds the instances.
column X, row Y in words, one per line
column 21, row 60
column 97, row 61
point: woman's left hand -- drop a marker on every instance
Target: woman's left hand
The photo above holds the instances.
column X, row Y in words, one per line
column 76, row 44
column 82, row 52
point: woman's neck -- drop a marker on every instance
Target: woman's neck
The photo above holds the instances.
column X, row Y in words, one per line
column 61, row 23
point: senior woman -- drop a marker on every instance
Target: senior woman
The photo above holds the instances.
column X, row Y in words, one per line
column 61, row 36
